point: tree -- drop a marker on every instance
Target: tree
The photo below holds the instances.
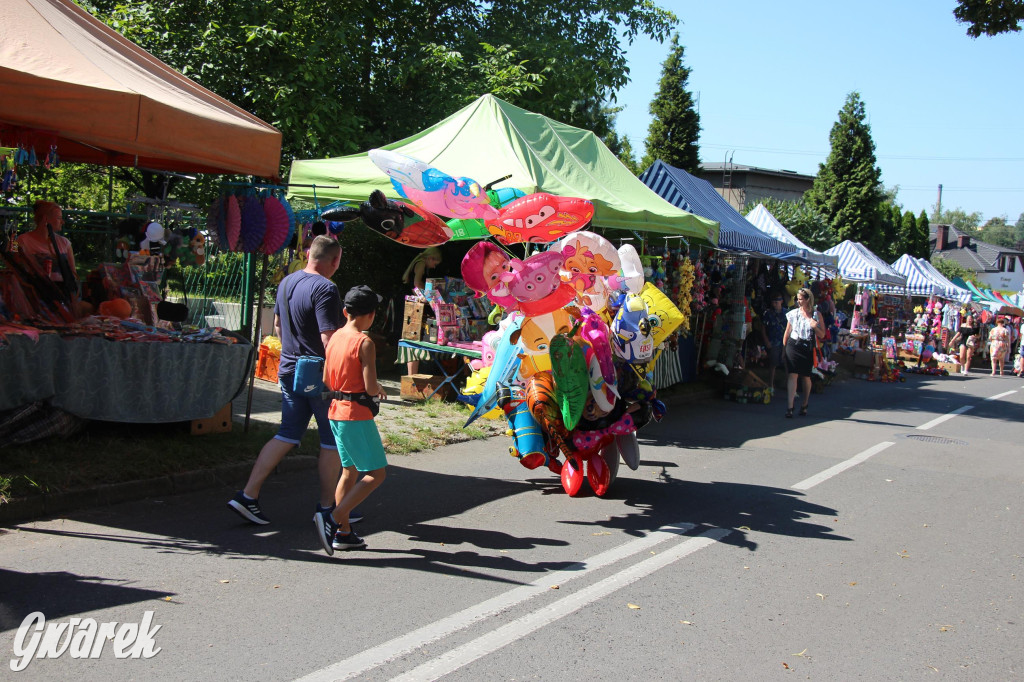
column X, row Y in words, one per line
column 958, row 218
column 997, row 231
column 626, row 155
column 909, row 236
column 847, row 191
column 337, row 78
column 802, row 220
column 673, row 132
column 923, row 241
column 950, row 269
column 895, row 241
column 1018, row 229
column 990, row 17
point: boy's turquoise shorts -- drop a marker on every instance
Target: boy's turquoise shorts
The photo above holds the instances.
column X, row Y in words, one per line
column 359, row 444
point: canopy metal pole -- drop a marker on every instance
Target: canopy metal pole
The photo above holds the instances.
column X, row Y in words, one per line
column 256, row 339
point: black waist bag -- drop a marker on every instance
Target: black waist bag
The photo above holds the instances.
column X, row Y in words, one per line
column 364, row 399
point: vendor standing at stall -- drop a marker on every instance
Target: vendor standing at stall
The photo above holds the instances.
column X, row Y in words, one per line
column 416, row 276
column 773, row 326
column 50, row 252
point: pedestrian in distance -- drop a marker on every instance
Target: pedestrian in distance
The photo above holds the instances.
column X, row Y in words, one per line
column 350, row 375
column 803, row 326
column 773, row 326
column 306, row 316
column 998, row 345
column 968, row 342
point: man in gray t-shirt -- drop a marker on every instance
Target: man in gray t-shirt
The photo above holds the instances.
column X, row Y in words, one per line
column 307, row 313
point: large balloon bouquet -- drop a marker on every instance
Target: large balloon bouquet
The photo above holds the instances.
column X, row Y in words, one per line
column 568, row 366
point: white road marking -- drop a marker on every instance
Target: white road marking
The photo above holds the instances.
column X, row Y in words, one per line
column 519, row 628
column 809, row 483
column 428, row 634
column 945, row 417
column 1001, row 395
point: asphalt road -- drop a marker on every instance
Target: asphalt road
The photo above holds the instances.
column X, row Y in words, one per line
column 878, row 538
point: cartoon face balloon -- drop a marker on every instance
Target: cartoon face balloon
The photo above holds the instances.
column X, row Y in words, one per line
column 534, row 278
column 631, row 331
column 589, row 259
column 483, row 268
column 662, row 315
column 540, row 218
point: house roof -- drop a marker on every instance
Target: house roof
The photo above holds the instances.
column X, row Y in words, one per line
column 719, row 166
column 978, row 256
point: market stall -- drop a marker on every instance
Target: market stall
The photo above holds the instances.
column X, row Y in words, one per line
column 72, row 89
column 740, row 244
column 878, row 318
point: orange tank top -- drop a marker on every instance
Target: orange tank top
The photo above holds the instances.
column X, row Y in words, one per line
column 343, row 371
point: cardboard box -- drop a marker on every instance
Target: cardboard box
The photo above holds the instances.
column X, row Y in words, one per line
column 412, row 325
column 218, row 423
column 431, row 332
column 863, row 358
column 416, row 387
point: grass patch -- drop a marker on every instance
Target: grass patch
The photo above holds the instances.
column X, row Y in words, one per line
column 105, row 452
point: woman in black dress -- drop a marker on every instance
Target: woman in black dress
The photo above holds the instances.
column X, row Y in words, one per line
column 968, row 342
column 803, row 325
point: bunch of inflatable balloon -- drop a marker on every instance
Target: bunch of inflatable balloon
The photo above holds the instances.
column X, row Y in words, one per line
column 568, row 366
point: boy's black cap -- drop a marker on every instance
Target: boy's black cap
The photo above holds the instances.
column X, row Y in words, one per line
column 361, row 300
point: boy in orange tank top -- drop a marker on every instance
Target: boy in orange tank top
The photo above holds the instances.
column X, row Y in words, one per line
column 350, row 373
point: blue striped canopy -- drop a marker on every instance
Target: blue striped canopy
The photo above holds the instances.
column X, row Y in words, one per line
column 952, row 291
column 762, row 219
column 858, row 264
column 697, row 196
column 918, row 281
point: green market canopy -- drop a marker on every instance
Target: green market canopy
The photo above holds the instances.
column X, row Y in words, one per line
column 490, row 139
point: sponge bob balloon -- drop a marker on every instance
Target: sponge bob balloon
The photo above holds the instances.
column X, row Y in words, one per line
column 432, row 189
column 540, row 219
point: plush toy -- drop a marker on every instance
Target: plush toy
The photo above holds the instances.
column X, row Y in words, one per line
column 197, row 245
column 154, row 239
column 116, row 307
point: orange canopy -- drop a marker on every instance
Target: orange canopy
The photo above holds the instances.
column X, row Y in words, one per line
column 66, row 79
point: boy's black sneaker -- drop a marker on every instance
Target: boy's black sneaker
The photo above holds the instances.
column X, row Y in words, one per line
column 325, row 530
column 350, row 540
column 248, row 509
column 354, row 516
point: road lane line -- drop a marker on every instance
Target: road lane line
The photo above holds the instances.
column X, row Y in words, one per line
column 809, row 483
column 428, row 634
column 521, row 627
column 1001, row 395
column 945, row 417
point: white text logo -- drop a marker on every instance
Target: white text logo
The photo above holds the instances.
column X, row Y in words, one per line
column 82, row 638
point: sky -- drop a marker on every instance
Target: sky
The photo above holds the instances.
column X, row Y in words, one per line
column 771, row 78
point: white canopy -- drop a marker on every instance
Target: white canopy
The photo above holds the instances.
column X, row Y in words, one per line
column 858, row 264
column 769, row 224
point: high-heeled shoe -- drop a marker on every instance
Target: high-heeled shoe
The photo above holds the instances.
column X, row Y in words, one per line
column 803, row 410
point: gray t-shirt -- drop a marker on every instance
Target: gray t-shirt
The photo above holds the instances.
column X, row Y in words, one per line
column 314, row 306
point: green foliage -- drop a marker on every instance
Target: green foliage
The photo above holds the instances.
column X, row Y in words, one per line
column 802, row 220
column 950, row 269
column 997, row 231
column 674, row 130
column 847, row 191
column 958, row 218
column 921, row 244
column 911, row 237
column 337, row 78
column 990, row 17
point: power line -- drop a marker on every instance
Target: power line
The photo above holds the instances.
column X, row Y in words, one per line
column 894, row 157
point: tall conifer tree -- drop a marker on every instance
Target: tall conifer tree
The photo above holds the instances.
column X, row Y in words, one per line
column 672, row 135
column 923, row 229
column 909, row 236
column 848, row 190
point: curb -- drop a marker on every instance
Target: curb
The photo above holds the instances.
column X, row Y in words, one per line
column 38, row 507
